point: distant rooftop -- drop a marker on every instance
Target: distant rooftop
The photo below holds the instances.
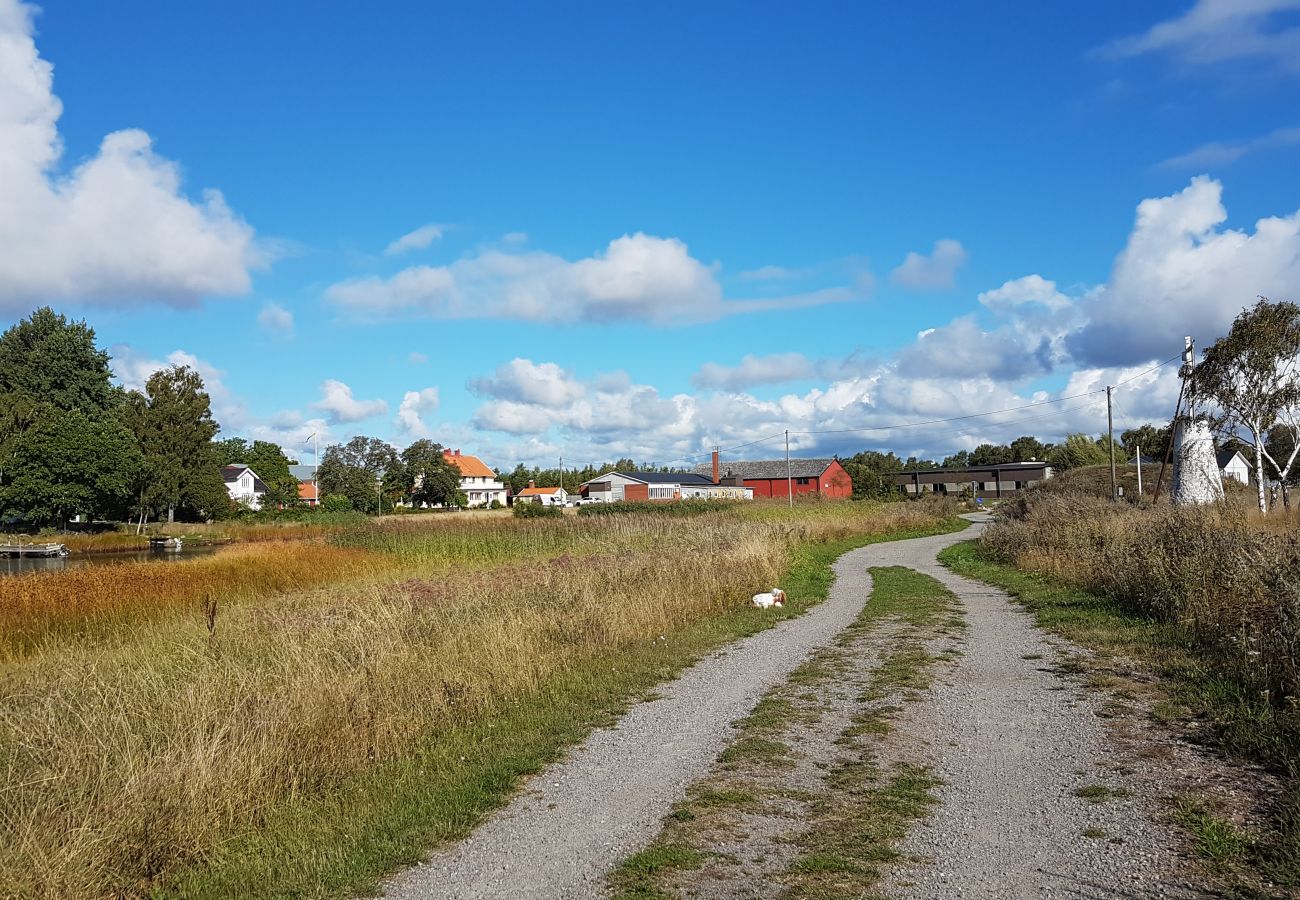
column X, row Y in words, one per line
column 769, row 468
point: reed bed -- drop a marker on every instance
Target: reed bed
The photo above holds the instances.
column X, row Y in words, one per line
column 39, row 610
column 121, row 762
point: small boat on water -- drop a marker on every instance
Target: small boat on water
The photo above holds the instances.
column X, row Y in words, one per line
column 44, row 550
column 164, row 544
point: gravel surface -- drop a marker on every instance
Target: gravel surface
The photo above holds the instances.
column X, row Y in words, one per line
column 581, row 816
column 1013, row 741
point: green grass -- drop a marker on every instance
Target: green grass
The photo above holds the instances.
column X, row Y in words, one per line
column 1216, row 838
column 1192, row 681
column 392, row 815
column 1099, row 793
column 635, row 878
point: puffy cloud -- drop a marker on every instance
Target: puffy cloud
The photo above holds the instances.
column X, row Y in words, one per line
column 414, row 240
column 411, row 412
column 754, row 370
column 1182, row 273
column 934, row 272
column 340, row 406
column 961, row 349
column 1218, row 153
column 524, row 381
column 1215, row 31
column 638, row 277
column 116, row 229
column 1021, row 291
column 276, row 320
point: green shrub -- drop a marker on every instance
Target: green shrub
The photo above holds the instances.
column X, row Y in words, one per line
column 536, row 511
column 336, row 503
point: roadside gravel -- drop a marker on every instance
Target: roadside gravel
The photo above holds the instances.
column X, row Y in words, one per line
column 581, row 816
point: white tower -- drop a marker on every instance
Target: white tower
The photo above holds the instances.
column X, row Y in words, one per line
column 1196, row 477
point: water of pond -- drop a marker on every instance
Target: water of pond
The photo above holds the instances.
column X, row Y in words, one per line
column 29, row 564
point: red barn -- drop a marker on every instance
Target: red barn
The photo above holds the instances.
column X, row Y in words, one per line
column 768, row 477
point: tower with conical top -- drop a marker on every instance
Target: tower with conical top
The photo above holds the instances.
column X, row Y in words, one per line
column 1196, row 478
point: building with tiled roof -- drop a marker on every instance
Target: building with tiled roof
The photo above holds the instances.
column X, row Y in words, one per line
column 546, row 496
column 480, row 484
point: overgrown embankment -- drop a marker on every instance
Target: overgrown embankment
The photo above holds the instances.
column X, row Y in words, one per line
column 304, row 742
column 1208, row 599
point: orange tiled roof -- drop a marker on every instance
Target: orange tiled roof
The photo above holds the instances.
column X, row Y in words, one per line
column 306, row 490
column 537, row 492
column 470, row 466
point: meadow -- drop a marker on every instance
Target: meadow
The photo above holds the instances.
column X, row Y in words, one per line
column 297, row 717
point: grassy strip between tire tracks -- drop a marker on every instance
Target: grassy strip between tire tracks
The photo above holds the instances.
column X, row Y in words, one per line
column 1191, row 686
column 391, row 815
column 849, row 828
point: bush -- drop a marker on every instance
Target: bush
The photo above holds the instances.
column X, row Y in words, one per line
column 336, row 503
column 536, row 511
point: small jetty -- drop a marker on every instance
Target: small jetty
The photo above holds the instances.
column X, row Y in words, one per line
column 163, row 544
column 43, row 550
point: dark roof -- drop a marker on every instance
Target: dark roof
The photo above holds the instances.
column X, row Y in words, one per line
column 666, row 477
column 1005, row 467
column 302, row 473
column 1225, row 456
column 768, row 468
column 232, row 473
column 656, row 477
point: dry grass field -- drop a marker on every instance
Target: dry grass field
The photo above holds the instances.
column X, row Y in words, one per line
column 150, row 715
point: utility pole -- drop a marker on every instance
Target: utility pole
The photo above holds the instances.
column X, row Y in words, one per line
column 561, row 473
column 789, row 482
column 1110, row 434
column 1139, row 464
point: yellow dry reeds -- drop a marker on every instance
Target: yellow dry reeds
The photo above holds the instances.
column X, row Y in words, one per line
column 42, row 606
column 123, row 760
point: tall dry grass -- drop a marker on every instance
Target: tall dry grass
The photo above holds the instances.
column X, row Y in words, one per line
column 1229, row 576
column 120, row 762
column 45, row 607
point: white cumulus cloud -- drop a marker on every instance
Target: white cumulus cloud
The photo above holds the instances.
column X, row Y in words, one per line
column 116, row 229
column 414, row 406
column 637, row 277
column 524, row 381
column 934, row 272
column 1182, row 272
column 340, row 406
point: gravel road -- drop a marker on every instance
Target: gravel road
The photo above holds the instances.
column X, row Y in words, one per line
column 578, row 818
column 1013, row 741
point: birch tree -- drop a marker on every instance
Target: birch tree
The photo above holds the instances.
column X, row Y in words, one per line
column 1252, row 374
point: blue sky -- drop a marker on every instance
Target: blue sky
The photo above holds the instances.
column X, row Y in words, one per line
column 617, row 230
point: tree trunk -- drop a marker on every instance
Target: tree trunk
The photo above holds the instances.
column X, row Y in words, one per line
column 171, row 510
column 1259, row 471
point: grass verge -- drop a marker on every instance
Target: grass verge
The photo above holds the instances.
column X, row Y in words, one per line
column 1192, row 682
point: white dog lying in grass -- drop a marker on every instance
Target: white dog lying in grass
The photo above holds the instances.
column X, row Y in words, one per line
column 775, row 597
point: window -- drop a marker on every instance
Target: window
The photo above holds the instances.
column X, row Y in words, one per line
column 802, row 480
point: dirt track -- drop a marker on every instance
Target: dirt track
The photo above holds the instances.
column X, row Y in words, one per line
column 1011, row 744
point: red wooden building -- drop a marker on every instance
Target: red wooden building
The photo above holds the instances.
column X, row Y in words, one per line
column 768, row 477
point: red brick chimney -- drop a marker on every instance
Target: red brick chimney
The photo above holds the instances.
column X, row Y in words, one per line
column 715, row 466
column 531, row 483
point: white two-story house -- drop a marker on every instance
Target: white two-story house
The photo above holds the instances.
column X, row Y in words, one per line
column 479, row 483
column 243, row 485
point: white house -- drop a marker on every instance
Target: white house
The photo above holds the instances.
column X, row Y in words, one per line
column 479, row 483
column 1233, row 465
column 546, row 496
column 615, row 486
column 243, row 485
